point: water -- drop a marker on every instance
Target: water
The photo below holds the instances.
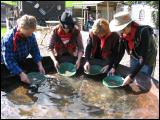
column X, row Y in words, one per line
column 77, row 97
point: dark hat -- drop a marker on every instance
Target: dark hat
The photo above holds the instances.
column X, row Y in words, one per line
column 66, row 20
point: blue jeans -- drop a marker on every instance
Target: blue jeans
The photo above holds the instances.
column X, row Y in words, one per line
column 146, row 69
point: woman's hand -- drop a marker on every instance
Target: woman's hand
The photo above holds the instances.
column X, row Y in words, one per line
column 40, row 67
column 104, row 69
column 24, row 78
column 87, row 67
column 41, row 70
column 78, row 64
column 56, row 64
column 127, row 81
column 112, row 72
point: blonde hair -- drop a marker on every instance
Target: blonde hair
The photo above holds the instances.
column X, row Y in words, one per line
column 100, row 26
column 27, row 21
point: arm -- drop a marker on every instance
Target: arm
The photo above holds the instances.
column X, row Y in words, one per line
column 35, row 51
column 88, row 54
column 145, row 36
column 119, row 53
column 88, row 49
column 36, row 55
column 80, row 47
column 51, row 48
column 8, row 57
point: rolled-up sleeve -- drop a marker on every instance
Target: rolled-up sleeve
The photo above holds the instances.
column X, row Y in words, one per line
column 35, row 51
column 80, row 43
column 52, row 41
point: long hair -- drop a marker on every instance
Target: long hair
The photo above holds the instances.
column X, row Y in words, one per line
column 100, row 26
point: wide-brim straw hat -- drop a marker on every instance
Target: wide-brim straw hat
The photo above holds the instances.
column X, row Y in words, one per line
column 120, row 21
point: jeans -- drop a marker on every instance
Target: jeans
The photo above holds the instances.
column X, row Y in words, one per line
column 146, row 69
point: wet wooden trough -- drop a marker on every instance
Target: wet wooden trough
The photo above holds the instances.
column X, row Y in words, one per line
column 86, row 97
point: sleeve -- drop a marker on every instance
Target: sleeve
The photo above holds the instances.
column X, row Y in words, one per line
column 145, row 36
column 80, row 43
column 35, row 50
column 115, row 52
column 9, row 60
column 120, row 46
column 52, row 40
column 88, row 49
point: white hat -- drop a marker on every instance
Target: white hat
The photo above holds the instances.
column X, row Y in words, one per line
column 120, row 21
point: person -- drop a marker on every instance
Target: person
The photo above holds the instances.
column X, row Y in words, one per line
column 102, row 44
column 90, row 21
column 66, row 39
column 16, row 13
column 99, row 15
column 17, row 44
column 10, row 19
column 139, row 43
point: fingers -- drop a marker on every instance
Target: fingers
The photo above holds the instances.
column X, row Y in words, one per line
column 56, row 65
column 24, row 78
column 87, row 67
column 26, row 81
column 126, row 82
column 110, row 73
column 77, row 66
column 42, row 71
column 104, row 69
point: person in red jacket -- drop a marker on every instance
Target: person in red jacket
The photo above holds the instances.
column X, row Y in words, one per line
column 102, row 44
column 66, row 39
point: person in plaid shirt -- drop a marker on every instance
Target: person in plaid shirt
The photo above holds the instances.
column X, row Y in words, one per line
column 17, row 44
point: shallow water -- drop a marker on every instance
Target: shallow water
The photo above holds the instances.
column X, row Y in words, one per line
column 78, row 97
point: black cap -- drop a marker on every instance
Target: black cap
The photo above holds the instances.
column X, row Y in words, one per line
column 66, row 20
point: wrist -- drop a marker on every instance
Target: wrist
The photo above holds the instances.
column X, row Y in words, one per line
column 55, row 61
column 87, row 62
column 131, row 76
column 39, row 65
column 22, row 73
column 78, row 60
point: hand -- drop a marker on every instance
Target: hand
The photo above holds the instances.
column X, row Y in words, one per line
column 56, row 64
column 78, row 64
column 24, row 78
column 141, row 60
column 41, row 69
column 87, row 67
column 127, row 80
column 111, row 72
column 104, row 69
column 75, row 54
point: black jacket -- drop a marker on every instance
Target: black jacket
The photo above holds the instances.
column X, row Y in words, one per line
column 145, row 47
